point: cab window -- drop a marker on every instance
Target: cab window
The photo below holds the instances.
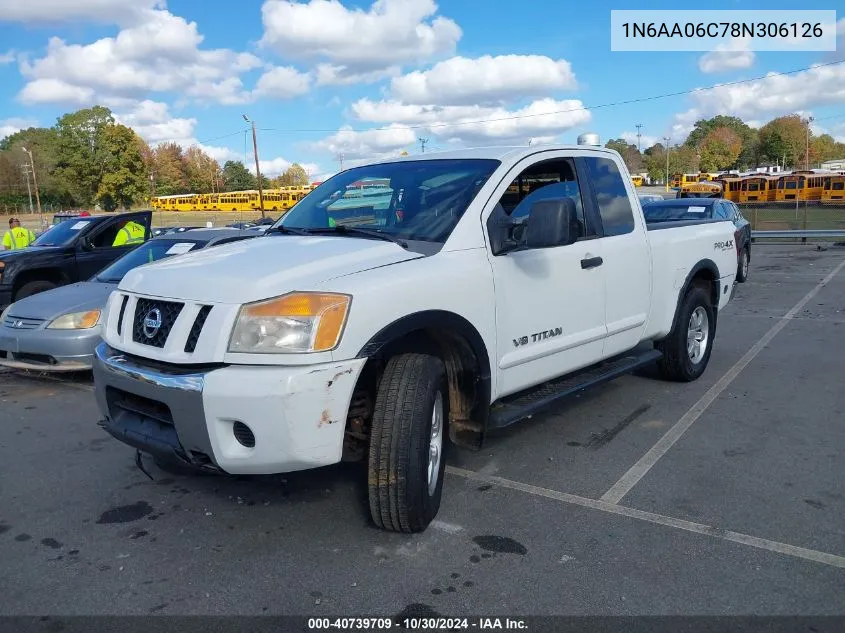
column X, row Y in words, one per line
column 542, row 181
column 617, row 216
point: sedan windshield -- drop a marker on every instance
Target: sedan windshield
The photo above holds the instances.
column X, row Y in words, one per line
column 62, row 233
column 149, row 252
column 409, row 200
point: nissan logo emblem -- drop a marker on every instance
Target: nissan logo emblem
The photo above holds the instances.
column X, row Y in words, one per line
column 152, row 323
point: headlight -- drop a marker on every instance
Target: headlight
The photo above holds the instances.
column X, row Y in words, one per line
column 297, row 322
column 76, row 321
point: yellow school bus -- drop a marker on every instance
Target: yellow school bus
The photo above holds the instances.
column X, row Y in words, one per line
column 834, row 189
column 638, row 181
column 730, row 187
column 800, row 185
column 701, row 190
column 760, row 188
column 679, row 180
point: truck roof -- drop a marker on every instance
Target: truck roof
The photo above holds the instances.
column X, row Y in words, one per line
column 504, row 153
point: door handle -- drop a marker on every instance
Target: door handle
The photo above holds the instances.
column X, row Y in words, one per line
column 591, row 262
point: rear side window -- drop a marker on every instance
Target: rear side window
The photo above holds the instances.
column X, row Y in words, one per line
column 617, row 217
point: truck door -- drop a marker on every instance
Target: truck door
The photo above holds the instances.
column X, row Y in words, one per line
column 626, row 254
column 105, row 243
column 550, row 305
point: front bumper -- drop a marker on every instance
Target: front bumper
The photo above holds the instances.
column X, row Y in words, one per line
column 44, row 349
column 296, row 414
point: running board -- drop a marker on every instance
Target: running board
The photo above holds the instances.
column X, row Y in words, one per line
column 529, row 402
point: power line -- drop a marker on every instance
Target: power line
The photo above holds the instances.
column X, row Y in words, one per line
column 587, row 107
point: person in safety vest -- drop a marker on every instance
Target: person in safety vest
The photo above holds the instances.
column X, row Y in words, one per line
column 130, row 233
column 17, row 236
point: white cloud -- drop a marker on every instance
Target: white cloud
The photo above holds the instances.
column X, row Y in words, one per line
column 487, row 79
column 11, row 126
column 153, row 122
column 275, row 166
column 54, row 11
column 55, row 90
column 541, row 118
column 646, row 141
column 358, row 41
column 333, row 75
column 763, row 98
column 732, row 56
column 158, row 54
column 283, row 82
column 367, row 144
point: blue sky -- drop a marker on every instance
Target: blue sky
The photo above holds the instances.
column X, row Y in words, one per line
column 329, row 77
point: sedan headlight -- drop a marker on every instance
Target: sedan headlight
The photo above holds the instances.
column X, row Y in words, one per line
column 297, row 322
column 76, row 321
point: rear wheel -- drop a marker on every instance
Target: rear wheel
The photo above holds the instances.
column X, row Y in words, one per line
column 410, row 423
column 33, row 288
column 686, row 350
column 742, row 267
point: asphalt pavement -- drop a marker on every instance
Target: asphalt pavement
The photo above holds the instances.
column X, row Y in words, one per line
column 724, row 496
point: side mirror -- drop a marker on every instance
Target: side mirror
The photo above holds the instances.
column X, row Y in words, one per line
column 87, row 244
column 551, row 222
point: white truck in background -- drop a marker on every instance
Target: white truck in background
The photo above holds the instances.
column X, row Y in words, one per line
column 404, row 305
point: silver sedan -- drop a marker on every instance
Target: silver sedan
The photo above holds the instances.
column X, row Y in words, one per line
column 57, row 330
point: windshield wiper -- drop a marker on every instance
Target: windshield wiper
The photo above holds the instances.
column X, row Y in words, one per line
column 287, row 230
column 355, row 231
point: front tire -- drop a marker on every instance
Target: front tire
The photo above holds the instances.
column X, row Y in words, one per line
column 742, row 267
column 686, row 350
column 410, row 424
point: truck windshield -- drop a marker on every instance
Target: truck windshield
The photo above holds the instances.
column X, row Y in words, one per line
column 147, row 253
column 409, row 200
column 62, row 233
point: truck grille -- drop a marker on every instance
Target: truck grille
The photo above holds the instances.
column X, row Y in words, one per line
column 196, row 329
column 150, row 313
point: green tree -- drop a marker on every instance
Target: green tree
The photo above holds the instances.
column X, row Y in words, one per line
column 720, row 149
column 784, row 140
column 236, row 177
column 824, row 148
column 749, row 153
column 201, row 170
column 630, row 154
column 42, row 143
column 295, row 175
column 80, row 153
column 682, row 159
column 125, row 177
column 169, row 170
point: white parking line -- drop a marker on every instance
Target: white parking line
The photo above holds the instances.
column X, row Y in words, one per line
column 647, row 461
column 680, row 524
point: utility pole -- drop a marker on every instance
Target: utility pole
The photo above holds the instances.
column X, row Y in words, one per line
column 807, row 155
column 25, row 168
column 423, row 141
column 340, row 160
column 257, row 169
column 35, row 184
column 639, row 127
column 668, row 140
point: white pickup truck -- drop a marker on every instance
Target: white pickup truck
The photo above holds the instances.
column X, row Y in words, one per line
column 404, row 305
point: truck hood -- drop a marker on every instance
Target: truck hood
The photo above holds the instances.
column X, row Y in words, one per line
column 260, row 268
column 78, row 297
column 29, row 251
